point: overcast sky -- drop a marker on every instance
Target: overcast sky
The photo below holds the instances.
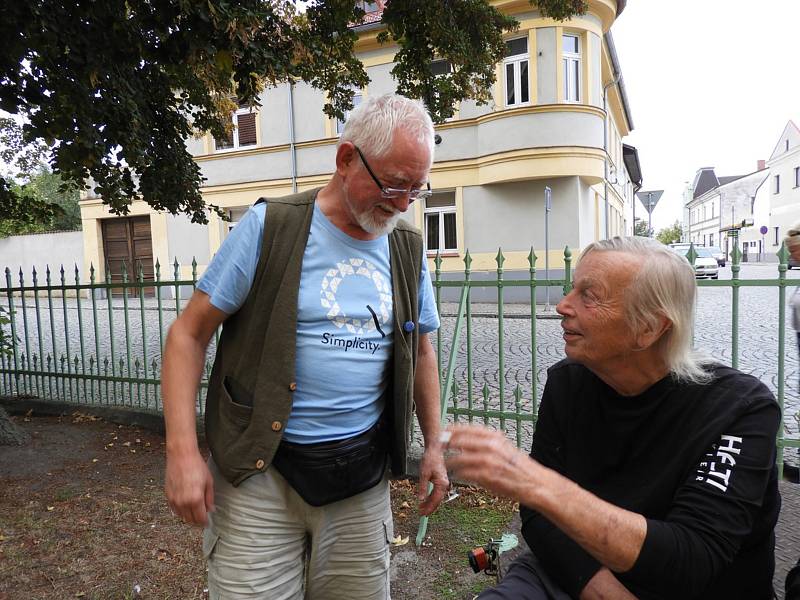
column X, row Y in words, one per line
column 711, row 83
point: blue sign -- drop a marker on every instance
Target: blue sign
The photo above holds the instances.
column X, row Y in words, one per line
column 764, row 229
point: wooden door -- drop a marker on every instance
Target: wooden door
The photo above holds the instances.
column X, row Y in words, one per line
column 127, row 241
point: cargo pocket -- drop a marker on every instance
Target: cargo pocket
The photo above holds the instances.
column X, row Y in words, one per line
column 388, row 530
column 210, row 539
column 239, row 414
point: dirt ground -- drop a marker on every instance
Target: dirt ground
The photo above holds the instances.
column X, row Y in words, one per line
column 83, row 515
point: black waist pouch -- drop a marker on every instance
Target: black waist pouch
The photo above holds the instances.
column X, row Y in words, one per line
column 330, row 471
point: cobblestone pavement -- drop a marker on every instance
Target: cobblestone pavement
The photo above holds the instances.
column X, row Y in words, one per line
column 136, row 336
column 757, row 348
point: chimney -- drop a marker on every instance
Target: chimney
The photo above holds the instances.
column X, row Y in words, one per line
column 762, row 164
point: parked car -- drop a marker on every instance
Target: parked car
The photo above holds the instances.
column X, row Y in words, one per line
column 705, row 265
column 718, row 254
column 794, row 263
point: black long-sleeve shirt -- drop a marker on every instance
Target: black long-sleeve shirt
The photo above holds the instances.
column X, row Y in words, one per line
column 697, row 461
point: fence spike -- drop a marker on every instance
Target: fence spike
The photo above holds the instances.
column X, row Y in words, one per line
column 783, row 254
column 194, row 269
column 500, row 259
column 124, row 271
column 91, row 273
column 692, row 254
column 77, row 275
column 467, row 262
column 437, row 261
column 158, row 271
column 35, row 280
column 47, row 275
column 61, row 270
column 532, row 259
column 736, row 255
column 140, row 273
column 108, row 272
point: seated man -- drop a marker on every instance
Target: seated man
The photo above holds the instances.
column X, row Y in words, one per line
column 652, row 472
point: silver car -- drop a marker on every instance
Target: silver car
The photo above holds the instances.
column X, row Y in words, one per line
column 705, row 265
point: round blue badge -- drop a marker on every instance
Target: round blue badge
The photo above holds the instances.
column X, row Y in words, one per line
column 409, row 326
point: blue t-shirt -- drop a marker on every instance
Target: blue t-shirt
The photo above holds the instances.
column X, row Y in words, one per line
column 344, row 321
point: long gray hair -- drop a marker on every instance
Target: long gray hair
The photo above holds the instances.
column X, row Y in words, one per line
column 792, row 238
column 372, row 125
column 664, row 287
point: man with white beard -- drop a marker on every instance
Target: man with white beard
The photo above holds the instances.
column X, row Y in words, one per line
column 327, row 305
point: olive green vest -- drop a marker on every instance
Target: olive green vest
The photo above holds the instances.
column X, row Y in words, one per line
column 250, row 389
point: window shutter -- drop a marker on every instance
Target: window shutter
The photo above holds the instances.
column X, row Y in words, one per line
column 247, row 129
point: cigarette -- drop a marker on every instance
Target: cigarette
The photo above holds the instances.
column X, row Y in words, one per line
column 444, row 437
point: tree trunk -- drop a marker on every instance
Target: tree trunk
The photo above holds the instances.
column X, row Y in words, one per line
column 10, row 434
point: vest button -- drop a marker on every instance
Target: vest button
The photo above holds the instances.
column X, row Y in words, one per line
column 259, row 464
column 276, row 426
column 292, row 386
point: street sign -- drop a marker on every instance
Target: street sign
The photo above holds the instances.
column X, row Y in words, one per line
column 649, row 199
column 764, row 229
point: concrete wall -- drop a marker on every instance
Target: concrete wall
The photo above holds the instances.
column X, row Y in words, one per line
column 546, row 65
column 517, row 209
column 40, row 250
column 187, row 241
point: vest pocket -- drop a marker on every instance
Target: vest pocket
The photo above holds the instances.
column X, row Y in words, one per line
column 239, row 414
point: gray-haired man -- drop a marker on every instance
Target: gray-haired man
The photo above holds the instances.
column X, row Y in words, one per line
column 652, row 472
column 327, row 305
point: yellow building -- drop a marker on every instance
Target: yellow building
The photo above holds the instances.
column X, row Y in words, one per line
column 557, row 119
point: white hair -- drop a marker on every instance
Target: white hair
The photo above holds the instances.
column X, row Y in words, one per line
column 792, row 238
column 372, row 125
column 664, row 286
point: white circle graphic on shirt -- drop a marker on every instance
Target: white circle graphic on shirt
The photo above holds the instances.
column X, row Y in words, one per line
column 355, row 267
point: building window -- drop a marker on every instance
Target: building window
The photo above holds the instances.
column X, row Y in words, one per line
column 705, row 211
column 440, row 67
column 356, row 103
column 235, row 215
column 787, row 145
column 571, row 49
column 777, row 184
column 243, row 133
column 797, row 177
column 711, row 239
column 367, row 6
column 440, row 223
column 515, row 69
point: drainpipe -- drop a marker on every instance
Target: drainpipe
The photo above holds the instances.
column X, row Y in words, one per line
column 605, row 147
column 292, row 147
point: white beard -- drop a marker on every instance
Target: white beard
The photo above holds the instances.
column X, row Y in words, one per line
column 373, row 224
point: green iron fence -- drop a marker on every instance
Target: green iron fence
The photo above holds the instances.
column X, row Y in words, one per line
column 100, row 342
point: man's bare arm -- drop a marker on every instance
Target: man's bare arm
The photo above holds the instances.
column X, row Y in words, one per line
column 426, row 397
column 188, row 483
column 613, row 535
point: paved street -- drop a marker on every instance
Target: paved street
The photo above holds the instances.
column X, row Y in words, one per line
column 758, row 344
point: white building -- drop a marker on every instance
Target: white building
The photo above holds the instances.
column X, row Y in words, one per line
column 722, row 204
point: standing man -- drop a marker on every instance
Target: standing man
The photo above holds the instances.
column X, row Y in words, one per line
column 327, row 305
column 652, row 473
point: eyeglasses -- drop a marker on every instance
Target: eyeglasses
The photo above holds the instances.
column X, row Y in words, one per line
column 393, row 193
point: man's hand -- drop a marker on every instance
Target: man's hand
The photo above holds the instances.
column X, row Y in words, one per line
column 432, row 470
column 488, row 459
column 189, row 487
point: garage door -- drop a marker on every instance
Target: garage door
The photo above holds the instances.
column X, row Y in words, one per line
column 127, row 241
